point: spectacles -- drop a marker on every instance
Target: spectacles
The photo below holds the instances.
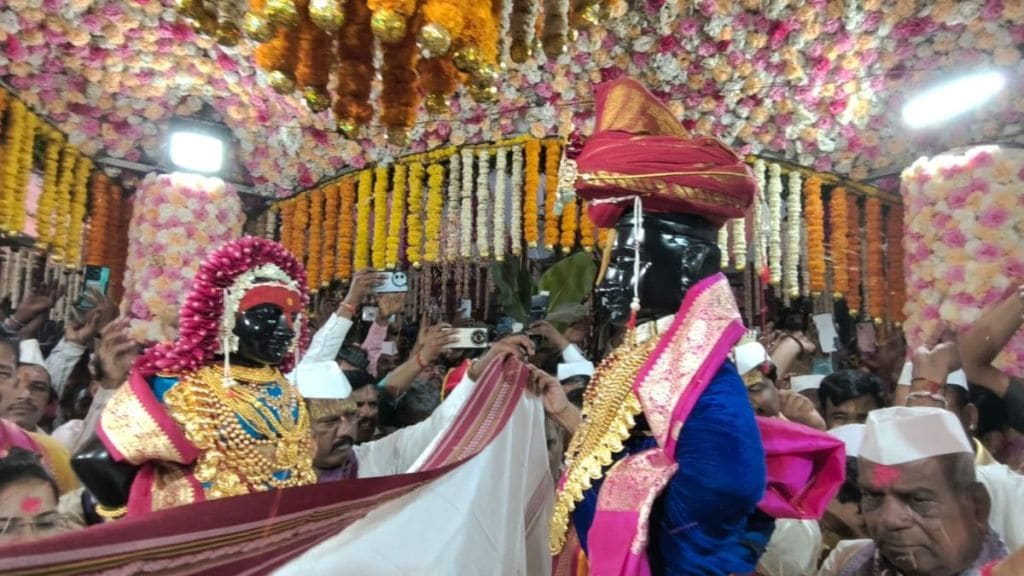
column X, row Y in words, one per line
column 42, row 524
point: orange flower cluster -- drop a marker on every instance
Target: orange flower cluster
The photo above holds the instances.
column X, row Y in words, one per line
column 400, row 86
column 354, row 71
column 814, row 215
column 439, row 79
column 301, row 224
column 552, row 159
column 838, row 215
column 414, row 222
column 876, row 268
column 329, row 242
column 532, row 176
column 569, row 220
column 288, row 225
column 380, row 217
column 278, row 54
column 588, row 232
column 116, row 250
column 99, row 221
column 346, row 224
column 896, row 278
column 313, row 69
column 314, row 259
column 853, row 299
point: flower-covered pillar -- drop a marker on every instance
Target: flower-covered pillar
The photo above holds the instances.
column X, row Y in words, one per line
column 964, row 221
column 176, row 220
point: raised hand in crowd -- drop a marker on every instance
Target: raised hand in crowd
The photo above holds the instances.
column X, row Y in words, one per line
column 32, row 310
column 388, row 305
column 983, row 341
column 362, row 285
column 519, row 346
column 83, row 326
column 115, row 354
column 556, row 404
column 550, row 334
column 430, row 342
column 798, row 408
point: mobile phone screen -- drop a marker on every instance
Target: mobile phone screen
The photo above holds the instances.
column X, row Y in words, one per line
column 97, row 278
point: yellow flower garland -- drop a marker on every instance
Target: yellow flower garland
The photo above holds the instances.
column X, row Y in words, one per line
column 530, row 229
column 569, row 226
column 394, row 240
column 588, row 232
column 330, row 235
column 380, row 215
column 552, row 158
column 11, row 161
column 346, row 219
column 83, row 167
column 314, row 260
column 47, row 221
column 435, row 206
column 363, row 207
column 24, row 171
column 65, row 205
column 414, row 221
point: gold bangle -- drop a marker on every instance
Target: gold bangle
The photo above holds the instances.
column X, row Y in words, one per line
column 111, row 513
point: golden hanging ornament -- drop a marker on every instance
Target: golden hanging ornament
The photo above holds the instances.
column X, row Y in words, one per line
column 316, row 100
column 228, row 34
column 204, row 23
column 388, row 26
column 520, row 53
column 468, row 59
column 591, row 15
column 281, row 83
column 435, row 39
column 257, row 28
column 190, row 8
column 437, row 104
column 349, row 128
column 398, row 136
column 327, row 15
column 281, row 12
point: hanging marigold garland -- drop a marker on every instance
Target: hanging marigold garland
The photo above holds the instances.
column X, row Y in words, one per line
column 394, row 242
column 116, row 238
column 313, row 68
column 64, row 219
column 552, row 159
column 791, row 265
column 555, row 27
column 569, row 222
column 355, row 69
column 896, row 279
column 876, row 269
column 278, row 56
column 839, row 242
column 500, row 181
column 79, row 195
column 99, row 222
column 347, row 239
column 329, row 242
column 400, row 86
column 775, row 224
column 301, row 226
column 47, row 221
column 853, row 252
column 414, row 221
column 364, row 206
column 435, row 207
column 380, row 217
column 444, row 24
column 314, row 258
column 739, row 243
column 9, row 162
column 288, row 224
column 26, row 137
column 483, row 196
column 588, row 232
column 516, row 224
column 814, row 214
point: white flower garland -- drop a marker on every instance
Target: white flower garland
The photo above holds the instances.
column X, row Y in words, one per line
column 466, row 223
column 483, row 196
column 794, row 221
column 739, row 243
column 723, row 244
column 18, row 265
column 805, row 279
column 516, row 226
column 775, row 224
column 271, row 224
column 499, row 204
column 451, row 211
column 760, row 237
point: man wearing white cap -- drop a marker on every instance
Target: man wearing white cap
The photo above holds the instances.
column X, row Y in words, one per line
column 758, row 371
column 842, row 519
column 807, row 386
column 925, row 511
column 26, row 400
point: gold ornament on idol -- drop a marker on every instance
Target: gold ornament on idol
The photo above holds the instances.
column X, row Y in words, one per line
column 233, row 461
column 327, row 15
column 609, row 410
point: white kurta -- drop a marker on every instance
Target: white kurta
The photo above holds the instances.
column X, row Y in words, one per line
column 488, row 516
column 1006, row 490
column 793, row 550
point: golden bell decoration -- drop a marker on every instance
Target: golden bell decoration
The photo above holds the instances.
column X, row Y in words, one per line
column 486, row 75
column 468, row 59
column 520, row 52
column 398, row 136
column 483, row 94
column 348, row 128
column 437, row 103
column 204, row 23
column 281, row 83
column 281, row 12
column 317, row 100
column 327, row 15
column 228, row 34
column 388, row 26
column 191, row 8
column 257, row 28
column 435, row 39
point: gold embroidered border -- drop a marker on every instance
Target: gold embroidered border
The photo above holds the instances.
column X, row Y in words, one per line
column 171, row 487
column 651, row 186
column 134, row 432
column 632, row 485
column 626, row 108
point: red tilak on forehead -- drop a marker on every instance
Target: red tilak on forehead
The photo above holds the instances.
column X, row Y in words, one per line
column 885, row 476
column 31, row 505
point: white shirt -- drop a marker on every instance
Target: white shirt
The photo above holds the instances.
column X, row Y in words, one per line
column 1006, row 491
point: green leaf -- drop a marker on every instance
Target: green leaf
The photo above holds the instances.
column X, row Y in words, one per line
column 514, row 288
column 568, row 282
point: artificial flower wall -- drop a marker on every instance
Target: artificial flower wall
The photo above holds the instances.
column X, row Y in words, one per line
column 819, row 82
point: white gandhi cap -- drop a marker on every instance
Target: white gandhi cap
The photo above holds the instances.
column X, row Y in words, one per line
column 749, row 356
column 900, row 434
column 852, row 435
column 806, row 382
column 320, row 381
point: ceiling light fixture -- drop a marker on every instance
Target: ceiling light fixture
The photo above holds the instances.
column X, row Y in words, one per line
column 951, row 99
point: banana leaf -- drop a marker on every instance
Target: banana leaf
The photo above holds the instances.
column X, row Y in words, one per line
column 568, row 282
column 515, row 287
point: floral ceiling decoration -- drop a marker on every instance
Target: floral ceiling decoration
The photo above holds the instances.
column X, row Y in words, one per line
column 818, row 82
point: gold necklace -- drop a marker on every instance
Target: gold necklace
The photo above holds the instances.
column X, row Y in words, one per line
column 233, row 461
column 258, row 375
column 610, row 408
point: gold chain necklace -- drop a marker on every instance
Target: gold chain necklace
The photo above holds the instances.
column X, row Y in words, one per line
column 233, row 461
column 609, row 410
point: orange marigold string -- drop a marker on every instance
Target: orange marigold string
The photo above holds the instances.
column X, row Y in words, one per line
column 532, row 174
column 329, row 241
column 280, row 54
column 346, row 225
column 896, row 278
column 313, row 68
column 115, row 197
column 588, row 232
column 814, row 215
column 314, row 259
column 79, row 198
column 839, row 243
column 98, row 220
column 876, row 270
column 355, row 70
column 552, row 159
column 287, row 209
column 400, row 85
column 569, row 219
column 853, row 298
